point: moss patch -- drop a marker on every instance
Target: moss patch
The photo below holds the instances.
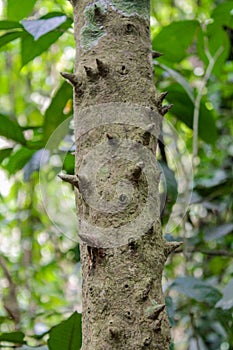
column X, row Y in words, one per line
column 92, row 31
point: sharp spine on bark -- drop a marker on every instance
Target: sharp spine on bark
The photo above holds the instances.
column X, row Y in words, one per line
column 97, row 11
column 89, row 72
column 156, row 54
column 71, row 78
column 156, row 310
column 113, row 141
column 72, row 179
column 137, row 171
column 170, row 247
column 162, row 96
column 150, row 127
column 102, row 68
column 165, row 109
column 114, row 332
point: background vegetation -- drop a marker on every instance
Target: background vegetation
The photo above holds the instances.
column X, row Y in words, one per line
column 40, row 283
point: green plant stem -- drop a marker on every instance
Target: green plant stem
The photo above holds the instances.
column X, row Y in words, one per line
column 197, row 104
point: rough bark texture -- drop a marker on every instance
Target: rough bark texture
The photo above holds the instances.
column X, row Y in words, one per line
column 123, row 303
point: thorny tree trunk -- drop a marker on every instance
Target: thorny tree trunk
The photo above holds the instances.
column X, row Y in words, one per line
column 117, row 120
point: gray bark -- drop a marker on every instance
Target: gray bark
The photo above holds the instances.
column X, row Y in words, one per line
column 117, row 122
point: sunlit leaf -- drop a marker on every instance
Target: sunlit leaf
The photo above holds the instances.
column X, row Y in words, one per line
column 18, row 160
column 40, row 27
column 66, row 335
column 17, row 10
column 217, row 37
column 31, row 48
column 174, row 40
column 8, row 37
column 68, row 163
column 25, row 347
column 9, row 25
column 11, row 130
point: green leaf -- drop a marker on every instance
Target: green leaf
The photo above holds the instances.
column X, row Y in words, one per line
column 174, row 40
column 217, row 232
column 223, row 14
column 38, row 28
column 11, row 129
column 170, row 311
column 18, row 159
column 8, row 37
column 69, row 164
column 4, row 153
column 217, row 37
column 54, row 115
column 196, row 289
column 216, row 190
column 183, row 109
column 226, row 302
column 13, row 337
column 66, row 335
column 31, row 48
column 9, row 25
column 17, row 10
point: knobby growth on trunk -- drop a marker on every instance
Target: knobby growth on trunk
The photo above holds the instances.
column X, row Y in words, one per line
column 118, row 117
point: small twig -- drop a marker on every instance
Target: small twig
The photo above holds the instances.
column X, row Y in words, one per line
column 197, row 104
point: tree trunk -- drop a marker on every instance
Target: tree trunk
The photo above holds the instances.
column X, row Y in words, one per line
column 117, row 123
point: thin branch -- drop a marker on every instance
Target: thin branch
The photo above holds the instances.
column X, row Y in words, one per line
column 197, row 104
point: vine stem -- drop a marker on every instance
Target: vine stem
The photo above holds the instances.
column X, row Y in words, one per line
column 197, row 104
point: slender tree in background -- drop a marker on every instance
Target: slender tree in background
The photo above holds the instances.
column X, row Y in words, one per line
column 123, row 303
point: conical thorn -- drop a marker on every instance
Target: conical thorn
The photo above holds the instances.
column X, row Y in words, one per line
column 89, row 72
column 156, row 54
column 71, row 78
column 165, row 109
column 153, row 312
column 72, row 179
column 109, row 136
column 102, row 68
column 137, row 171
column 162, row 96
column 170, row 247
column 97, row 11
column 150, row 127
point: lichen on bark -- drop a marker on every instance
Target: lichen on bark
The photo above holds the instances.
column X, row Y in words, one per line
column 130, row 7
column 92, row 31
column 123, row 303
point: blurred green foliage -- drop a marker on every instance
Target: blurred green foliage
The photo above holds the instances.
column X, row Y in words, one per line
column 39, row 254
